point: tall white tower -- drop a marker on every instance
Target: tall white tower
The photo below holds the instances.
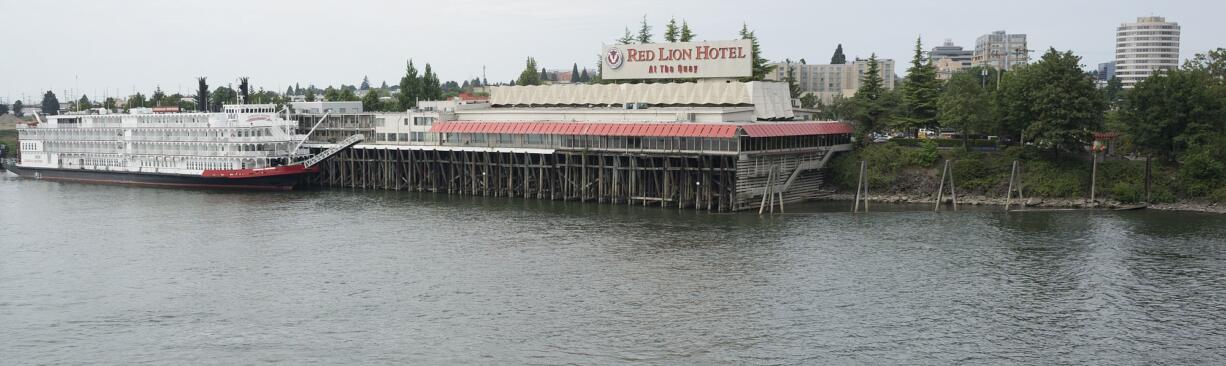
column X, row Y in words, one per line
column 1141, row 48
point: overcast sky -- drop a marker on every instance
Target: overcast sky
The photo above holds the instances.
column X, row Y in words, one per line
column 111, row 47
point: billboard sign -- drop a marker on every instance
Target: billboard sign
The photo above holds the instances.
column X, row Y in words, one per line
column 685, row 60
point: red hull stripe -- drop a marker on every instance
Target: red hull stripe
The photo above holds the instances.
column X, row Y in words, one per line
column 256, row 173
column 175, row 185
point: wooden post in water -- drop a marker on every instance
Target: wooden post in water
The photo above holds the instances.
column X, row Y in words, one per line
column 1093, row 174
column 1012, row 179
column 941, row 187
column 862, row 188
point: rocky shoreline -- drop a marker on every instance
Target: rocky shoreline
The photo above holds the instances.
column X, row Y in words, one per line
column 1034, row 202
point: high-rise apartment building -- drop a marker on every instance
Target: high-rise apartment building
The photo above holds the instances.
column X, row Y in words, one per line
column 828, row 81
column 1142, row 48
column 1000, row 50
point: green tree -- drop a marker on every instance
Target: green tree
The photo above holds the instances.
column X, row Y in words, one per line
column 838, row 58
column 370, row 101
column 331, row 94
column 761, row 67
column 627, row 38
column 310, row 95
column 687, row 35
column 136, row 101
column 644, row 31
column 365, row 83
column 1169, row 112
column 530, row 75
column 920, row 91
column 18, row 106
column 1212, row 63
column 157, row 98
column 671, row 33
column 4, row 109
column 870, row 105
column 1113, row 92
column 809, row 101
column 51, row 104
column 244, row 89
column 84, row 104
column 202, row 94
column 221, row 96
column 431, row 89
column 1053, row 102
column 965, row 105
column 790, row 77
column 347, row 95
column 110, row 104
column 574, row 74
column 584, row 76
column 410, row 86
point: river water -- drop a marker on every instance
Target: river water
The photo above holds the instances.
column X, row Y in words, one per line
column 103, row 274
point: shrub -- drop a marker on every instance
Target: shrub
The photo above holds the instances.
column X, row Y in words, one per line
column 1201, row 173
column 1128, row 192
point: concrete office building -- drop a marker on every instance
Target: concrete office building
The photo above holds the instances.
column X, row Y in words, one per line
column 829, row 81
column 949, row 58
column 1151, row 44
column 1001, row 51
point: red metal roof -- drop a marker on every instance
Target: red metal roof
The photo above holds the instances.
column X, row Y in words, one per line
column 776, row 129
column 721, row 130
column 647, row 129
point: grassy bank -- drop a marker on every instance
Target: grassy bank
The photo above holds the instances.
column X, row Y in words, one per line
column 915, row 171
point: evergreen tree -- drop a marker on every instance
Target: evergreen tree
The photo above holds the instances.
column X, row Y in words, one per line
column 920, row 92
column 289, row 90
column 574, row 74
column 644, row 32
column 365, row 83
column 761, row 67
column 838, row 58
column 4, row 109
column 384, row 85
column 529, row 76
column 545, row 75
column 297, row 89
column 965, row 105
column 671, row 33
column 157, row 98
column 17, row 108
column 790, row 77
column 1052, row 102
column 626, row 38
column 84, row 104
column 310, row 95
column 686, row 34
column 870, row 106
column 244, row 89
column 431, row 89
column 202, row 94
column 51, row 104
column 584, row 77
column 410, row 86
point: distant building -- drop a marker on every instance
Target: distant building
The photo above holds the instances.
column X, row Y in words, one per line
column 325, row 107
column 828, row 81
column 1141, row 48
column 1105, row 71
column 1000, row 50
column 949, row 58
